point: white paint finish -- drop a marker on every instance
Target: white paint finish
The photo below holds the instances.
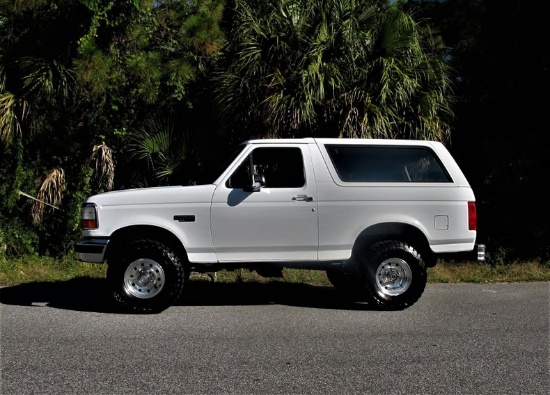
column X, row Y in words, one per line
column 157, row 207
column 232, row 225
column 267, row 225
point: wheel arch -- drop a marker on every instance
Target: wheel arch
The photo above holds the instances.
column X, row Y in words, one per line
column 406, row 233
column 135, row 232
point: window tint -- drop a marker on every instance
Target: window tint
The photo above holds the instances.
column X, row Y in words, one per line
column 280, row 167
column 386, row 164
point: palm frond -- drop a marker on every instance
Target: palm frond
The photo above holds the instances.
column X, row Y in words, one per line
column 104, row 166
column 48, row 80
column 9, row 124
column 50, row 192
column 161, row 147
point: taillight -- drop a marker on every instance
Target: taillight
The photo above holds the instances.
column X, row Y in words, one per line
column 472, row 216
column 88, row 217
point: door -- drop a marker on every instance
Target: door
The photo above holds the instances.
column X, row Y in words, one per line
column 277, row 219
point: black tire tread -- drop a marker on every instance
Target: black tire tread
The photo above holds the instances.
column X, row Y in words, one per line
column 377, row 253
column 143, row 248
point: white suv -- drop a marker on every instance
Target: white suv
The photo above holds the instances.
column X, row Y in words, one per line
column 372, row 213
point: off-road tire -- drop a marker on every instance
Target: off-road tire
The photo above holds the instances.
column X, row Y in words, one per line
column 145, row 276
column 395, row 275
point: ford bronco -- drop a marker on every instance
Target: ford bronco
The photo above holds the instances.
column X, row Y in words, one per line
column 374, row 214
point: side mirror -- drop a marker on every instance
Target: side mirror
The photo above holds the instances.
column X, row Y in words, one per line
column 258, row 183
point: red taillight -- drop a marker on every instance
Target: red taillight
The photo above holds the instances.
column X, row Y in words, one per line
column 472, row 216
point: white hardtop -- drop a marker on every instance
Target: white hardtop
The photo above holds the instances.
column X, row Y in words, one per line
column 452, row 167
column 334, row 140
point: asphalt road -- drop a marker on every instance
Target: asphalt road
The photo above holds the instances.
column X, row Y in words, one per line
column 276, row 339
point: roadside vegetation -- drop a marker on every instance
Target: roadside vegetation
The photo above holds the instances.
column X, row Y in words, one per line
column 43, row 269
column 108, row 95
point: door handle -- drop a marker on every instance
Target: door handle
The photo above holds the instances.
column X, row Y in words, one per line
column 302, row 198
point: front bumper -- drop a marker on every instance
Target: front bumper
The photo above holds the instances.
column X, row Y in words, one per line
column 92, row 249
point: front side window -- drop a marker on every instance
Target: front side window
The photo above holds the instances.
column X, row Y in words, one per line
column 278, row 167
column 386, row 164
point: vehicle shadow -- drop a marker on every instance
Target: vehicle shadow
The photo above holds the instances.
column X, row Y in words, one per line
column 80, row 294
column 207, row 293
column 91, row 295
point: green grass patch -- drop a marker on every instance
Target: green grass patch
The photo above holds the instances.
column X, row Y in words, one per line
column 33, row 269
column 45, row 269
column 312, row 277
column 477, row 272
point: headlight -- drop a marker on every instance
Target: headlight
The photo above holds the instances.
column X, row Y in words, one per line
column 88, row 217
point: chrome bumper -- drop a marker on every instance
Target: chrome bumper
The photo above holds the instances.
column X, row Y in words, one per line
column 91, row 249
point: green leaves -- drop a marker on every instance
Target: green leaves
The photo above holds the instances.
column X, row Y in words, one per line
column 161, row 147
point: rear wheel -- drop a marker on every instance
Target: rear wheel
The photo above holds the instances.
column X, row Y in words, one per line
column 395, row 274
column 145, row 276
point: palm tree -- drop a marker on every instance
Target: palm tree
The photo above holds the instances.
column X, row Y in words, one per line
column 332, row 68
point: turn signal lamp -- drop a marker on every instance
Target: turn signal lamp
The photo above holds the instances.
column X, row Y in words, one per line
column 88, row 218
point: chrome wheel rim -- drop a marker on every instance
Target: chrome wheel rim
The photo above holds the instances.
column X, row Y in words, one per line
column 144, row 278
column 393, row 277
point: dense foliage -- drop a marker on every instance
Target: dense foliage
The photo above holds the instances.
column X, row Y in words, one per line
column 338, row 68
column 109, row 94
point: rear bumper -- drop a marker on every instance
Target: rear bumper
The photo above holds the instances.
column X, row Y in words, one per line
column 480, row 252
column 92, row 249
column 475, row 252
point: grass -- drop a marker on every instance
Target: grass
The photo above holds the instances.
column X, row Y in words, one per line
column 475, row 272
column 33, row 269
column 45, row 269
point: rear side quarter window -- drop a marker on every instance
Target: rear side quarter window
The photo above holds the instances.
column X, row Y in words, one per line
column 357, row 163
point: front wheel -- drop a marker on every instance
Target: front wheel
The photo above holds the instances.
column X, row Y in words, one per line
column 145, row 276
column 395, row 273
